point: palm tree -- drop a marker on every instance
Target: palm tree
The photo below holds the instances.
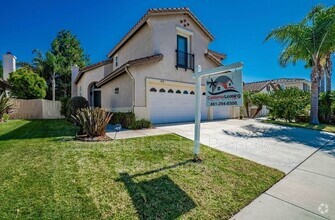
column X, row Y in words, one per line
column 260, row 100
column 247, row 102
column 309, row 40
column 328, row 72
column 52, row 64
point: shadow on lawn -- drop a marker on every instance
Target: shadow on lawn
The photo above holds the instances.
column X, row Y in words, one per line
column 41, row 129
column 158, row 198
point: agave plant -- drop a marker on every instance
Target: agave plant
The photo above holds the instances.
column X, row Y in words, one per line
column 6, row 105
column 93, row 121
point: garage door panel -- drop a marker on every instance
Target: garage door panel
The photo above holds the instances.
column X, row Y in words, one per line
column 172, row 107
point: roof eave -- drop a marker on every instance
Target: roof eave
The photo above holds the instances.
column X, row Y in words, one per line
column 122, row 69
column 153, row 12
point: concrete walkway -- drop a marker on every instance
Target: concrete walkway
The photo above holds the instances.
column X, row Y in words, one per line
column 125, row 134
column 306, row 156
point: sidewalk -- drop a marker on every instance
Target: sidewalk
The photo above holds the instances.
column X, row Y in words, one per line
column 308, row 192
column 125, row 134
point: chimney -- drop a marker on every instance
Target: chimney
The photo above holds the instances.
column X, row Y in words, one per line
column 8, row 64
column 74, row 74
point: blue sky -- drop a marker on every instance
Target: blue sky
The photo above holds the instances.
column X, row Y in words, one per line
column 239, row 27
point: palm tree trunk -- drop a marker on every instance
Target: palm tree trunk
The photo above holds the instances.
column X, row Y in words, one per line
column 322, row 79
column 314, row 96
column 247, row 110
column 328, row 73
column 259, row 108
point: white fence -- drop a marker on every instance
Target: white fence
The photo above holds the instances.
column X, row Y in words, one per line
column 36, row 109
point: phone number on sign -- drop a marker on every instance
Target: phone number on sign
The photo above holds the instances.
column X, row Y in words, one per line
column 228, row 103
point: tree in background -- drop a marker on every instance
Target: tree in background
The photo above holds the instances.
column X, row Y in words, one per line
column 68, row 51
column 27, row 84
column 288, row 103
column 260, row 100
column 247, row 102
column 310, row 41
column 1, row 70
column 55, row 65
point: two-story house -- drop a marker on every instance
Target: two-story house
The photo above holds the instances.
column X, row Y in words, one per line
column 149, row 72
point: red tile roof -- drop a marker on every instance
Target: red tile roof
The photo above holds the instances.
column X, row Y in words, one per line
column 122, row 69
column 159, row 11
column 91, row 67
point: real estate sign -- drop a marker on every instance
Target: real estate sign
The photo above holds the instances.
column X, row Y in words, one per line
column 224, row 89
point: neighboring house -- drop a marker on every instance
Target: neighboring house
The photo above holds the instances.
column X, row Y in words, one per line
column 9, row 66
column 149, row 72
column 268, row 86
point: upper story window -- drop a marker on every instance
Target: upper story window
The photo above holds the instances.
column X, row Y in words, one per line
column 117, row 90
column 184, row 58
column 268, row 88
column 116, row 60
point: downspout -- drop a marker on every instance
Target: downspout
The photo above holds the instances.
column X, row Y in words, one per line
column 132, row 78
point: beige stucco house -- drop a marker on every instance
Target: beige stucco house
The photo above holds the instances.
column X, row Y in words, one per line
column 149, row 72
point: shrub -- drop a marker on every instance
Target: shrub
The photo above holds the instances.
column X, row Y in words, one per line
column 6, row 106
column 5, row 117
column 74, row 104
column 325, row 106
column 288, row 104
column 63, row 101
column 140, row 124
column 93, row 121
column 260, row 100
column 125, row 119
column 27, row 84
column 128, row 120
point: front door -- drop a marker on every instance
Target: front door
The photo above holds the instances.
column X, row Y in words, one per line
column 97, row 99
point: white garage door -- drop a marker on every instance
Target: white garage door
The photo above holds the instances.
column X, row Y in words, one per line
column 173, row 105
column 221, row 112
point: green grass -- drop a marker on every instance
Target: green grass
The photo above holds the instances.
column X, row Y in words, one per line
column 320, row 127
column 46, row 175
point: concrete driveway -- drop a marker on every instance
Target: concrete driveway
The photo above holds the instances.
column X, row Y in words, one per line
column 306, row 156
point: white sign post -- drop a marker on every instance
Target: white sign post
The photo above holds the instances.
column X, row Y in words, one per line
column 223, row 89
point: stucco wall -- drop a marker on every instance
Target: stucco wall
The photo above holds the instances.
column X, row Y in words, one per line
column 89, row 77
column 140, row 45
column 118, row 102
column 298, row 85
column 165, row 38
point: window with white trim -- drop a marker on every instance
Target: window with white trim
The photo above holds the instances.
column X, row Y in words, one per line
column 116, row 60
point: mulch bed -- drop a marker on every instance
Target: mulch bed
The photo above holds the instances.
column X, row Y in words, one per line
column 86, row 138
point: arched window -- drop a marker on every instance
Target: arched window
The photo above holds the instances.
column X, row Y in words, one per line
column 185, row 92
column 192, row 93
column 170, row 91
column 178, row 91
column 162, row 90
column 153, row 90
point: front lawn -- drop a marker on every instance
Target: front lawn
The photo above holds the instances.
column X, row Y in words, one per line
column 44, row 174
column 320, row 127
